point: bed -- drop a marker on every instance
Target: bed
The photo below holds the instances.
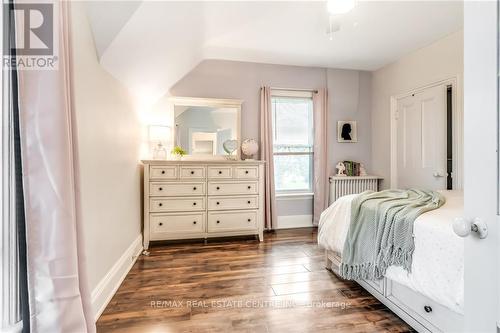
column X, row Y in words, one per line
column 430, row 298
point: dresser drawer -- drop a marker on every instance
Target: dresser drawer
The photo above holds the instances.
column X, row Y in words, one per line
column 222, row 203
column 191, row 172
column 422, row 308
column 176, row 189
column 220, row 172
column 161, row 204
column 232, row 188
column 232, row 221
column 177, row 223
column 246, row 172
column 163, row 172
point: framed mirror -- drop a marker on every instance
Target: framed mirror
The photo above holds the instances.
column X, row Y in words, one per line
column 207, row 128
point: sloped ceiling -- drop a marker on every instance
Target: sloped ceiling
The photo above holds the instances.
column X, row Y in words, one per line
column 107, row 18
column 150, row 45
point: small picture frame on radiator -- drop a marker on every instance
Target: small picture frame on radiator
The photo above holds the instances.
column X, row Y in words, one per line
column 347, row 131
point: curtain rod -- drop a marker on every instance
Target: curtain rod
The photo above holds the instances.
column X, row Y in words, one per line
column 295, row 89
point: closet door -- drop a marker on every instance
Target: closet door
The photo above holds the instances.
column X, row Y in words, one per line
column 421, row 139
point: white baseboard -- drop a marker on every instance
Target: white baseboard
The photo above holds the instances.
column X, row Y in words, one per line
column 107, row 287
column 295, row 221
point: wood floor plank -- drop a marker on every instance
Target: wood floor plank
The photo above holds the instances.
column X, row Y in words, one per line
column 305, row 286
column 242, row 285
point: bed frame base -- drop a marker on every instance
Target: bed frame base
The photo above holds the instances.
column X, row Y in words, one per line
column 421, row 313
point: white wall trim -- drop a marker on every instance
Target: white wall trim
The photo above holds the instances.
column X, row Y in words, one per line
column 294, row 196
column 294, row 221
column 107, row 287
column 458, row 142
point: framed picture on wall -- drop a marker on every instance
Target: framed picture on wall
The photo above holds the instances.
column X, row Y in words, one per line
column 347, row 131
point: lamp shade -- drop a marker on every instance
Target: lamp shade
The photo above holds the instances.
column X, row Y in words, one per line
column 159, row 133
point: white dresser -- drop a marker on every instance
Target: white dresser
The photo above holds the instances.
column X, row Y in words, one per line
column 202, row 199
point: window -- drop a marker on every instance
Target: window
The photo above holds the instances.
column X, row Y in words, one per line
column 293, row 142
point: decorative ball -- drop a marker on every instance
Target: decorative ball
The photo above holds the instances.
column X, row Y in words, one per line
column 249, row 147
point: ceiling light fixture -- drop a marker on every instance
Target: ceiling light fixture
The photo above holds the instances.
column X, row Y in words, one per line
column 337, row 7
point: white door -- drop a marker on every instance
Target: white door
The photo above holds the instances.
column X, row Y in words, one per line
column 421, row 139
column 481, row 164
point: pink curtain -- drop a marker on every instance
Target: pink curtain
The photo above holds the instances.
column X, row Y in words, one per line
column 321, row 159
column 266, row 154
column 58, row 293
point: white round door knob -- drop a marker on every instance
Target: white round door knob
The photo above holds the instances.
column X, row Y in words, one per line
column 462, row 227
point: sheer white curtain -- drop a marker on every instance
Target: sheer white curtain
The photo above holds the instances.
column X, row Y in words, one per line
column 59, row 298
column 266, row 154
column 321, row 158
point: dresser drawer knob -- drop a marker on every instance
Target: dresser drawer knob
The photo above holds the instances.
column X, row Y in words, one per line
column 194, row 188
column 218, row 221
column 427, row 309
column 160, row 204
column 194, row 203
column 220, row 172
column 249, row 187
column 194, row 222
column 248, row 202
column 218, row 188
column 249, row 220
column 218, row 203
column 246, row 171
column 160, row 189
column 162, row 172
column 192, row 172
column 160, row 224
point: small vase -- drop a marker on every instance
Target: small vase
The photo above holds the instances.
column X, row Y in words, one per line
column 176, row 157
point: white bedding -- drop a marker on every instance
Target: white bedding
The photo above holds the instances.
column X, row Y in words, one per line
column 437, row 269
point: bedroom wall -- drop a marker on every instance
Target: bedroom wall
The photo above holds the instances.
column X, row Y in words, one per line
column 349, row 92
column 350, row 99
column 109, row 138
column 441, row 60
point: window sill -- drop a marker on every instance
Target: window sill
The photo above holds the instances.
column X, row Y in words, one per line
column 300, row 195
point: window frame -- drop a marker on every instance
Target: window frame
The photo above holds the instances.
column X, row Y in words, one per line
column 305, row 94
column 10, row 312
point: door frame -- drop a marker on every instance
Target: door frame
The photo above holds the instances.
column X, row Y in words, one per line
column 457, row 128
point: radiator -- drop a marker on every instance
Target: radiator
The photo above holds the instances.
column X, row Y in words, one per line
column 340, row 186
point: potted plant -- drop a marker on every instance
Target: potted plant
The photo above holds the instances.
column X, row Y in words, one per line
column 177, row 153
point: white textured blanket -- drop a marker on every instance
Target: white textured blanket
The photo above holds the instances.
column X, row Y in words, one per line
column 437, row 267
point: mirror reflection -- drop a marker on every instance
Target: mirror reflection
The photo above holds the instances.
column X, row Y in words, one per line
column 206, row 130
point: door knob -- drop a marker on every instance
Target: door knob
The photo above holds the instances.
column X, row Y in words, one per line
column 463, row 227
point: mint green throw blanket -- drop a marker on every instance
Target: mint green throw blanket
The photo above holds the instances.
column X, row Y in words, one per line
column 381, row 231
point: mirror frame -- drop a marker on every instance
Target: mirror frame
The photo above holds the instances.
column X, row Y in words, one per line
column 210, row 102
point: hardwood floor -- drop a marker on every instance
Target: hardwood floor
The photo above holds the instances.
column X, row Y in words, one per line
column 279, row 285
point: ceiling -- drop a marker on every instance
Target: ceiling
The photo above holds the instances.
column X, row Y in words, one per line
column 150, row 45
